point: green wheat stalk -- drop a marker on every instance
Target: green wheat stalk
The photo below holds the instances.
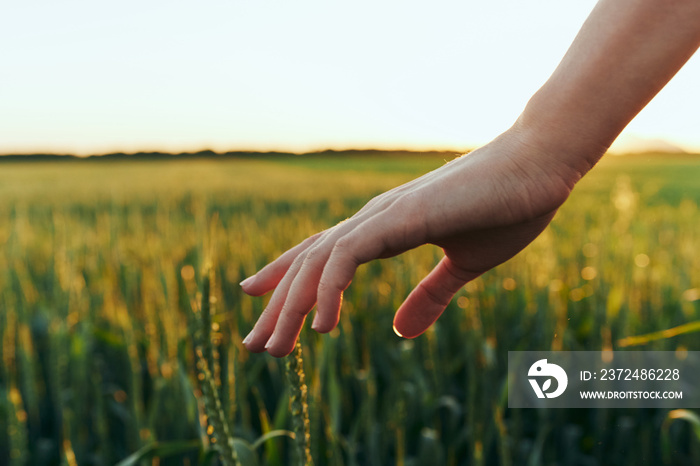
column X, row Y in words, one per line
column 294, row 367
column 204, row 354
column 215, row 414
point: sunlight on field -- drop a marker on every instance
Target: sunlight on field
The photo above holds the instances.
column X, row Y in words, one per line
column 96, row 350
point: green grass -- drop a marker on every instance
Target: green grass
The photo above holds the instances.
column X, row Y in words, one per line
column 97, row 356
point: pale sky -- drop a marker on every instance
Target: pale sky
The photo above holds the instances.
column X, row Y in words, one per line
column 94, row 76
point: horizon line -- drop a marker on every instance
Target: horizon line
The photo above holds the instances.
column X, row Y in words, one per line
column 228, row 152
column 327, row 151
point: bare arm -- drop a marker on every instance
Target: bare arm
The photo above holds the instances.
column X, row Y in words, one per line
column 484, row 208
column 624, row 54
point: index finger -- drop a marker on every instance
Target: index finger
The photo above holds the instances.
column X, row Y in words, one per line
column 269, row 276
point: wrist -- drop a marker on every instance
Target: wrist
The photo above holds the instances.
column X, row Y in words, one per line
column 569, row 148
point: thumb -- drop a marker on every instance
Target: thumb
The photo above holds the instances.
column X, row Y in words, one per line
column 430, row 298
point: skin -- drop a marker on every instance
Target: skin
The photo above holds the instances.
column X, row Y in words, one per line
column 485, row 207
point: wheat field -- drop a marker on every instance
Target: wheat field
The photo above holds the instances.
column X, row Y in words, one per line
column 103, row 263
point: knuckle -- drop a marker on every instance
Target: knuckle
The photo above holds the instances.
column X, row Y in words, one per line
column 298, row 261
column 405, row 200
column 323, row 285
column 460, row 273
column 329, row 286
column 344, row 244
column 434, row 295
column 382, row 201
column 312, row 254
column 409, row 203
column 316, row 236
column 372, row 202
column 295, row 310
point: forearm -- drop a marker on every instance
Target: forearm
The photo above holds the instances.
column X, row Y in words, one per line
column 626, row 51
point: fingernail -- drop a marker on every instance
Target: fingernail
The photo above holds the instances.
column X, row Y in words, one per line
column 247, row 339
column 270, row 342
column 314, row 324
column 247, row 281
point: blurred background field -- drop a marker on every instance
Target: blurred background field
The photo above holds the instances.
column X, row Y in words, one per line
column 97, row 359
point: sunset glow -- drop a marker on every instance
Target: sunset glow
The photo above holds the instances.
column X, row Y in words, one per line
column 89, row 77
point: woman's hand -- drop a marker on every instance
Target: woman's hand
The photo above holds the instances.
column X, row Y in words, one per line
column 482, row 209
